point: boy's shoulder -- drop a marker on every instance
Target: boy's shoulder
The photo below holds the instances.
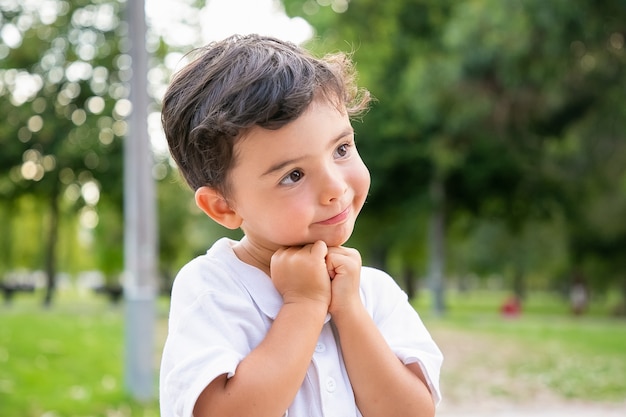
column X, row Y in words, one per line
column 219, row 271
column 378, row 284
column 219, row 255
column 213, row 269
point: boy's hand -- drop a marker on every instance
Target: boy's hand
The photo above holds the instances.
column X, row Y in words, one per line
column 300, row 274
column 344, row 268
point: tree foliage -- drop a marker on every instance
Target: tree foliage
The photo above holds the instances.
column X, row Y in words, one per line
column 506, row 118
column 62, row 84
column 516, row 107
column 63, row 89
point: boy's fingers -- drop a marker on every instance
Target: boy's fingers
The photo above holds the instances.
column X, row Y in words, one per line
column 341, row 256
column 319, row 248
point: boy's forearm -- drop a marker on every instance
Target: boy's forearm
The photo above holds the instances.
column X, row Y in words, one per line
column 267, row 380
column 382, row 384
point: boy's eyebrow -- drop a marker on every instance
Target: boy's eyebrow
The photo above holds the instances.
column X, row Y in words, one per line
column 280, row 165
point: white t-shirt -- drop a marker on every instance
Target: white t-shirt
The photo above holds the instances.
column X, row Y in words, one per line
column 222, row 308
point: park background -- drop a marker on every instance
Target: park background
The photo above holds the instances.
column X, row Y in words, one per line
column 498, row 158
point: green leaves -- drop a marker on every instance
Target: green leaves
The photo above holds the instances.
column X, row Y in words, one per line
column 514, row 104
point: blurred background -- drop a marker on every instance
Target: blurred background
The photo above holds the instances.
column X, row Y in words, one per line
column 497, row 149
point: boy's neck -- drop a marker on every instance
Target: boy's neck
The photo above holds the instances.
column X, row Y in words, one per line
column 253, row 255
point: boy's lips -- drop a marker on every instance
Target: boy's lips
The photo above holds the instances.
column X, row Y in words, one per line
column 336, row 219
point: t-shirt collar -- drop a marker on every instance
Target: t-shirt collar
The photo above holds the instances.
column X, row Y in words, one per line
column 258, row 284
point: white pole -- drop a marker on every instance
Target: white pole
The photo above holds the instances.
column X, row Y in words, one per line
column 140, row 286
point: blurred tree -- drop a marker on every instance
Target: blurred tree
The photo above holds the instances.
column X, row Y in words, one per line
column 62, row 87
column 485, row 109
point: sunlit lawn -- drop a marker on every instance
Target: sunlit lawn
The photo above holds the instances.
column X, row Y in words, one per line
column 545, row 349
column 67, row 361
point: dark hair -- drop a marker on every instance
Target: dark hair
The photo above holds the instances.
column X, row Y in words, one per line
column 242, row 82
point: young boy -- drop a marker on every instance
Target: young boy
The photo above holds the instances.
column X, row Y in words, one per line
column 284, row 321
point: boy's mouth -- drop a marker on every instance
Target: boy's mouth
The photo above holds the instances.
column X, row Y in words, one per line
column 339, row 218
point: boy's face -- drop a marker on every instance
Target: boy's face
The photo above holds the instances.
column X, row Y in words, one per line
column 301, row 183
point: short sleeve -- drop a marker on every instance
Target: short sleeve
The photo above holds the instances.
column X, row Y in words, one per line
column 210, row 331
column 401, row 326
column 194, row 355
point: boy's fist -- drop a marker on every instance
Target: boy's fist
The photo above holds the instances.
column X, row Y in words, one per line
column 300, row 273
column 344, row 268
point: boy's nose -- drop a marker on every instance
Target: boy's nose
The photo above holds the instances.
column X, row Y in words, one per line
column 332, row 186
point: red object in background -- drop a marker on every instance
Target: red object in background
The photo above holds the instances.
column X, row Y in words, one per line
column 512, row 307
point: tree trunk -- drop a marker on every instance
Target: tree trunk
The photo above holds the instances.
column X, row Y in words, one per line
column 378, row 257
column 519, row 282
column 621, row 308
column 436, row 245
column 409, row 282
column 51, row 246
column 6, row 257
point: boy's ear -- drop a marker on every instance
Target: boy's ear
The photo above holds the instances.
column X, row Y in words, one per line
column 216, row 207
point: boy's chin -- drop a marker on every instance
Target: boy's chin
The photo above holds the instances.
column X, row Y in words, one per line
column 331, row 240
column 334, row 241
column 337, row 239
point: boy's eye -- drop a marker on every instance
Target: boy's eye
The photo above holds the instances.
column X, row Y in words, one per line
column 342, row 150
column 293, row 177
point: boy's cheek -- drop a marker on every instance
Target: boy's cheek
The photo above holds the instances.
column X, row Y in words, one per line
column 364, row 177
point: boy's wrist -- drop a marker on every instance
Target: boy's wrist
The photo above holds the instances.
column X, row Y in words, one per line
column 307, row 303
column 349, row 313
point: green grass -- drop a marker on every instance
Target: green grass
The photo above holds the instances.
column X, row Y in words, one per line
column 67, row 361
column 582, row 358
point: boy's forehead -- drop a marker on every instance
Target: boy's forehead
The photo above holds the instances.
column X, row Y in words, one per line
column 319, row 102
column 291, row 130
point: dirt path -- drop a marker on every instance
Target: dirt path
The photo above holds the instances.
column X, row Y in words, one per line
column 566, row 410
column 476, row 382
